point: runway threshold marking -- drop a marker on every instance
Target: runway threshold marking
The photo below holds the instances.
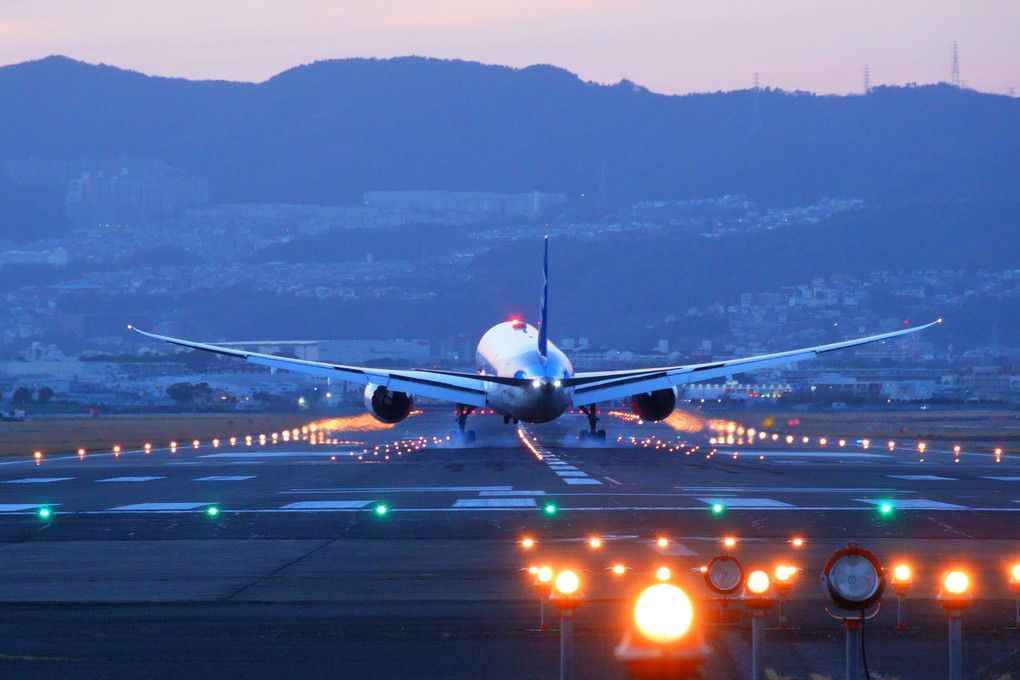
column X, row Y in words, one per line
column 1004, row 479
column 745, row 503
column 21, row 507
column 576, row 481
column 913, row 504
column 148, row 507
column 130, row 479
column 38, row 480
column 327, row 505
column 495, row 503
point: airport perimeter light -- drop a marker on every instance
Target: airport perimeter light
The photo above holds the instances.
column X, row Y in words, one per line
column 901, row 581
column 1014, row 583
column 954, row 598
column 758, row 599
column 662, row 643
column 566, row 597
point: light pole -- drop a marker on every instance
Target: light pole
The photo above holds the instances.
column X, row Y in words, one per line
column 783, row 583
column 543, row 584
column 954, row 598
column 854, row 581
column 663, row 646
column 901, row 582
column 1014, row 582
column 566, row 597
column 757, row 599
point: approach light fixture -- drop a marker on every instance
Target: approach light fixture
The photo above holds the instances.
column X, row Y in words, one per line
column 854, row 578
column 724, row 575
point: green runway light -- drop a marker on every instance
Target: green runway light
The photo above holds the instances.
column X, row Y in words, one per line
column 44, row 513
column 381, row 510
column 717, row 508
column 886, row 508
column 212, row 511
column 550, row 509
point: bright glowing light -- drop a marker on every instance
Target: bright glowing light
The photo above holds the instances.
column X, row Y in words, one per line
column 550, row 509
column 823, row 441
column 886, row 508
column 663, row 613
column 921, row 446
column 892, row 445
column 717, row 508
column 758, row 582
column 956, row 582
column 663, row 542
column 45, row 513
column 729, row 541
column 528, row 543
column 37, row 454
column 116, row 449
column 901, row 572
column 545, row 575
column 381, row 509
column 619, row 569
column 783, row 573
column 797, row 542
column 195, row 443
column 532, row 570
column 842, row 442
column 1016, row 573
column 662, row 573
column 789, row 439
column 212, row 511
column 595, row 543
column 567, row 582
column 536, row 383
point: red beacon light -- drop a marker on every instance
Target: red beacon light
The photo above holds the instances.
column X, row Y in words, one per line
column 516, row 323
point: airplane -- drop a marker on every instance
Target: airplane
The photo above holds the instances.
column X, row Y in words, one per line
column 524, row 377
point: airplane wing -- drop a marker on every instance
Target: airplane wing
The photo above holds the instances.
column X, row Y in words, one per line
column 590, row 388
column 461, row 388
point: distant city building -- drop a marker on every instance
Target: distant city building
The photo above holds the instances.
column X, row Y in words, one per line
column 467, row 203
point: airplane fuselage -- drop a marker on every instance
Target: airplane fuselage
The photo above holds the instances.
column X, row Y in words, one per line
column 510, row 350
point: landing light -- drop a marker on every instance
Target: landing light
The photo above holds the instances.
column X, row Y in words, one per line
column 567, row 582
column 758, row 582
column 536, row 384
column 545, row 575
column 662, row 573
column 956, row 582
column 901, row 573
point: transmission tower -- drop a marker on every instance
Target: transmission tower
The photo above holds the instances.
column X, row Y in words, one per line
column 955, row 74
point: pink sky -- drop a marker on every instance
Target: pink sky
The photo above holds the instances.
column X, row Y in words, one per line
column 670, row 46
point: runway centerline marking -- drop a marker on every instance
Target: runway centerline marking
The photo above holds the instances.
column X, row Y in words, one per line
column 403, row 489
column 130, row 479
column 1004, row 479
column 787, row 489
column 923, row 478
column 38, row 480
column 510, row 493
column 225, row 478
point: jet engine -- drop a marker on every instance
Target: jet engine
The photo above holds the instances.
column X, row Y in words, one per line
column 653, row 406
column 387, row 406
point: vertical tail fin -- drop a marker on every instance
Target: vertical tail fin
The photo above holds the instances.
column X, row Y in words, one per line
column 543, row 312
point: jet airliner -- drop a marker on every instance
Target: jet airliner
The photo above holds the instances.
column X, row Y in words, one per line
column 524, row 377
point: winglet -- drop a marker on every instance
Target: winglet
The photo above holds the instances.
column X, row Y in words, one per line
column 543, row 312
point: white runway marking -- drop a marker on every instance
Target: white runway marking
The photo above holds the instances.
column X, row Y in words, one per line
column 130, row 479
column 1004, row 479
column 403, row 489
column 20, row 507
column 834, row 455
column 277, row 454
column 785, row 489
column 495, row 503
column 225, row 478
column 913, row 504
column 327, row 505
column 748, row 503
column 511, row 493
column 581, row 480
column 570, row 473
column 923, row 478
column 38, row 480
column 145, row 507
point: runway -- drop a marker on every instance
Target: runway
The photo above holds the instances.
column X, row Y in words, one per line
column 397, row 530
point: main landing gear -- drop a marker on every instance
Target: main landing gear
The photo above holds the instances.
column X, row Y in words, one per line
column 462, row 414
column 593, row 419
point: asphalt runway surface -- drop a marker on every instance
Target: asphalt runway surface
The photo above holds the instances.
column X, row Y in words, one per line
column 299, row 573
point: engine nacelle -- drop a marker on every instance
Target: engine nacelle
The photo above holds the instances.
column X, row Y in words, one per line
column 653, row 406
column 387, row 406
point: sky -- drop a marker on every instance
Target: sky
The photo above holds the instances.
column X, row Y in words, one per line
column 668, row 46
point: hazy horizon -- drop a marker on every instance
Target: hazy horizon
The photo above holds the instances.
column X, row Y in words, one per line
column 671, row 48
